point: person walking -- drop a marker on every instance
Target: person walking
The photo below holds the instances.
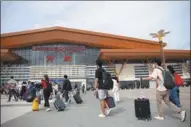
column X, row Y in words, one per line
column 162, row 92
column 173, row 93
column 66, row 88
column 115, row 89
column 47, row 90
column 83, row 89
column 23, row 90
column 101, row 90
column 76, row 88
column 12, row 89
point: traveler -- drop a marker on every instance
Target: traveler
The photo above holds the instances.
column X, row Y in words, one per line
column 173, row 93
column 115, row 89
column 77, row 90
column 47, row 90
column 12, row 89
column 23, row 90
column 83, row 88
column 31, row 92
column 101, row 90
column 162, row 92
column 67, row 88
column 19, row 87
column 29, row 84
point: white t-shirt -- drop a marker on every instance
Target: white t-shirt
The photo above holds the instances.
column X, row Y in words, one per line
column 13, row 84
column 158, row 76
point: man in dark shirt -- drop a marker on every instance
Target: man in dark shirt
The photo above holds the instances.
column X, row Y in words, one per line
column 100, row 88
column 66, row 87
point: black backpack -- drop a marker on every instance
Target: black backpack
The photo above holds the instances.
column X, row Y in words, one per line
column 107, row 80
column 168, row 79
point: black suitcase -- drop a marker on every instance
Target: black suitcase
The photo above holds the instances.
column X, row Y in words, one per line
column 77, row 98
column 59, row 104
column 142, row 109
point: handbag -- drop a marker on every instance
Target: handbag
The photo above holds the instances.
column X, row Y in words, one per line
column 110, row 102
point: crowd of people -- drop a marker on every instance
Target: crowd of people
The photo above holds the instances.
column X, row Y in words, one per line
column 162, row 93
column 42, row 90
column 169, row 96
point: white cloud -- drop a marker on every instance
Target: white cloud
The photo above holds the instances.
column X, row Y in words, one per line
column 128, row 18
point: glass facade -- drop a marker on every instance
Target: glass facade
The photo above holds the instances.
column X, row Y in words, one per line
column 57, row 54
column 53, row 59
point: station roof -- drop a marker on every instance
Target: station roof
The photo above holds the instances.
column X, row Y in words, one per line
column 68, row 35
column 113, row 47
column 8, row 55
column 142, row 54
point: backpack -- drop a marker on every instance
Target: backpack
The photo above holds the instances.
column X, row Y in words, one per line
column 107, row 80
column 168, row 79
column 178, row 80
column 49, row 86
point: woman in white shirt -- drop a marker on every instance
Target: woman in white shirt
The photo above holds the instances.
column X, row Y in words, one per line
column 115, row 89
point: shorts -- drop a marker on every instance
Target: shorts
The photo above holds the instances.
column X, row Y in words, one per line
column 102, row 94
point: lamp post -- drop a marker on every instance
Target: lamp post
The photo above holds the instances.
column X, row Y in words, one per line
column 160, row 34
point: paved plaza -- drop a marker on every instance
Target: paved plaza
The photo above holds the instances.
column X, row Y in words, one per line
column 19, row 114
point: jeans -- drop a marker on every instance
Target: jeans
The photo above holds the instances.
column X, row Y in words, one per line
column 173, row 96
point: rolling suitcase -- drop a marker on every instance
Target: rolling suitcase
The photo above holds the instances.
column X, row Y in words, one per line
column 59, row 104
column 77, row 98
column 110, row 101
column 142, row 109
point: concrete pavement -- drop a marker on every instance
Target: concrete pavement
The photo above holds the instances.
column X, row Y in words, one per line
column 12, row 110
column 86, row 115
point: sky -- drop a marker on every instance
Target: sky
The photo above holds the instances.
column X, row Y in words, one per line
column 127, row 18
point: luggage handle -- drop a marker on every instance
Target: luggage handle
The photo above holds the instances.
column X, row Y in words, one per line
column 142, row 96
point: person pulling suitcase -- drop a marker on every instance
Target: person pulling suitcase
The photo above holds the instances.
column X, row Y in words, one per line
column 66, row 88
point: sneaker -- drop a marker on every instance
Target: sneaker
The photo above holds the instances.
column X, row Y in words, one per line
column 102, row 115
column 183, row 116
column 48, row 109
column 159, row 118
column 108, row 112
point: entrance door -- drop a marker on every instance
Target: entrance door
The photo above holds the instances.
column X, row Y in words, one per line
column 78, row 82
